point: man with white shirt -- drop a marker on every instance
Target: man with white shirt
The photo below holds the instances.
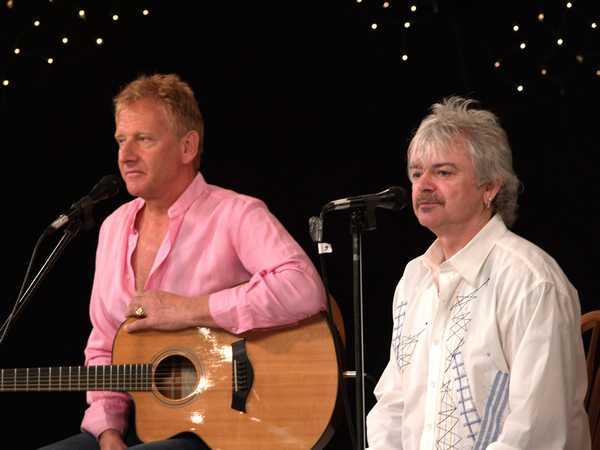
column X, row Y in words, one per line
column 486, row 349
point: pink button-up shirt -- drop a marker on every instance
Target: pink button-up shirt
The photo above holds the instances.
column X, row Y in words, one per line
column 219, row 243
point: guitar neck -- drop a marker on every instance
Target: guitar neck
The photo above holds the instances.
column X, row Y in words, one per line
column 124, row 377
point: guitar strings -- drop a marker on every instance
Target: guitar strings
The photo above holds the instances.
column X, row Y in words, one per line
column 45, row 379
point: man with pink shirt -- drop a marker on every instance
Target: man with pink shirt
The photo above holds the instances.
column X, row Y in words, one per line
column 183, row 253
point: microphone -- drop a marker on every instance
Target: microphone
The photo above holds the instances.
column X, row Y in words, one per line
column 107, row 187
column 393, row 198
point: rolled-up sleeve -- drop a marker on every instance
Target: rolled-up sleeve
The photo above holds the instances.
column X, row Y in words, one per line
column 284, row 286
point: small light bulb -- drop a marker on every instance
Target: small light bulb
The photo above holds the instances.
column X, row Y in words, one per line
column 373, row 26
column 520, row 88
column 5, row 82
column 50, row 60
column 516, row 28
column 36, row 23
column 145, row 12
column 358, row 1
column 99, row 41
column 17, row 51
column 598, row 73
column 544, row 72
column 404, row 57
column 10, row 4
column 559, row 41
column 569, row 5
column 579, row 58
column 413, row 8
column 65, row 40
column 386, row 4
column 541, row 17
column 594, row 25
column 523, row 46
column 115, row 17
column 497, row 64
column 406, row 24
column 82, row 13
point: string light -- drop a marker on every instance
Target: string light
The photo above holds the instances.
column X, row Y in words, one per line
column 406, row 24
column 559, row 41
column 413, row 8
column 515, row 27
column 598, row 73
column 59, row 41
column 497, row 64
column 594, row 25
column 358, row 1
column 386, row 4
column 569, row 5
column 520, row 88
column 540, row 17
column 579, row 58
column 523, row 45
column 544, row 71
column 404, row 57
column 373, row 26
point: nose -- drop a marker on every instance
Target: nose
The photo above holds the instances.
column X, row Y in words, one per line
column 424, row 183
column 126, row 151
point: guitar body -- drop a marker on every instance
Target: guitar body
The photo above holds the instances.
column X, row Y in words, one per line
column 288, row 406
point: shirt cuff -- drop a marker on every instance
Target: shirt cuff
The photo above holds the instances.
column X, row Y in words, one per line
column 227, row 310
column 104, row 414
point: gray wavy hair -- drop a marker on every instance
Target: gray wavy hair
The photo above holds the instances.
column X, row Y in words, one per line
column 484, row 138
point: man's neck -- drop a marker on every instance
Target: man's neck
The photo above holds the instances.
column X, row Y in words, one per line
column 157, row 207
column 455, row 239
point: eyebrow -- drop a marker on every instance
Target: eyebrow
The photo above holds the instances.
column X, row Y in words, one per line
column 434, row 166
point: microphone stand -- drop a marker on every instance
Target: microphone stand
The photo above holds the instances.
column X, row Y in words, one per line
column 361, row 220
column 69, row 233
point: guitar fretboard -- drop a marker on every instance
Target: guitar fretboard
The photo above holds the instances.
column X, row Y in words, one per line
column 125, row 377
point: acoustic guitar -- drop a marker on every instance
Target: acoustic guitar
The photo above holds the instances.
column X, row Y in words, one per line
column 265, row 389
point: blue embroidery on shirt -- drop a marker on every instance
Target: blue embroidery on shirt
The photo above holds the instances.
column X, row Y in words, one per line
column 466, row 407
column 495, row 410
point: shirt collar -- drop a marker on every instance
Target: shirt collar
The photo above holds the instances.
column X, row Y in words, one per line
column 195, row 189
column 468, row 260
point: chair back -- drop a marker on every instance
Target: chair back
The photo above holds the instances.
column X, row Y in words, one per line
column 590, row 327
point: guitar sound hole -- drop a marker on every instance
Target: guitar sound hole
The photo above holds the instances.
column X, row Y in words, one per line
column 175, row 377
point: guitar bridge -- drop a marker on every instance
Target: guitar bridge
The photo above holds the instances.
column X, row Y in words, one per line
column 242, row 375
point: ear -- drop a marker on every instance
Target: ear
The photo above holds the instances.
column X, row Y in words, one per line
column 490, row 189
column 189, row 148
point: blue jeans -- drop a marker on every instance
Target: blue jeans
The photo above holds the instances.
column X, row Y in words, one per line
column 85, row 441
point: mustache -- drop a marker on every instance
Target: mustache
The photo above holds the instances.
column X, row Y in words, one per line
column 428, row 198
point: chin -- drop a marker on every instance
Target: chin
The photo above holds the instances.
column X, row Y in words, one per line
column 428, row 221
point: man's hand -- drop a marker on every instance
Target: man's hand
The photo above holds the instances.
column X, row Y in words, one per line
column 111, row 440
column 160, row 310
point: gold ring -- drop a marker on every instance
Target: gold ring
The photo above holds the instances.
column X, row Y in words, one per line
column 139, row 311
